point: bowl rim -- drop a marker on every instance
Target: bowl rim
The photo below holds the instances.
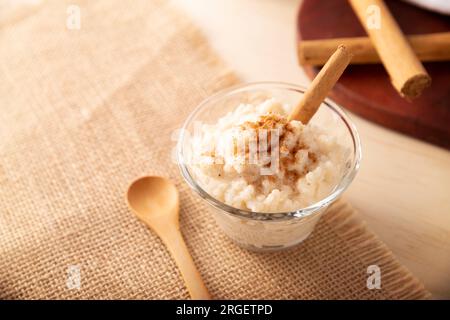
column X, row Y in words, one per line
column 270, row 216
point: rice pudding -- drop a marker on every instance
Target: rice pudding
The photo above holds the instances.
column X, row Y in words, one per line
column 254, row 159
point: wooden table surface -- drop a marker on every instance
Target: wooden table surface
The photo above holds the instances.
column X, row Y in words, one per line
column 403, row 188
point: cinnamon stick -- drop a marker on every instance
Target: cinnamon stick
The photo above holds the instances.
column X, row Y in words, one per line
column 321, row 85
column 407, row 73
column 427, row 47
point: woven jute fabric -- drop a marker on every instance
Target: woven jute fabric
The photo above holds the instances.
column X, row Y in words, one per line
column 84, row 112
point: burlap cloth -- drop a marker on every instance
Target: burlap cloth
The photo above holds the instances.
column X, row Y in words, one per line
column 83, row 113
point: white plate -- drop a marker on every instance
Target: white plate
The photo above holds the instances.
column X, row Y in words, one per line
column 441, row 6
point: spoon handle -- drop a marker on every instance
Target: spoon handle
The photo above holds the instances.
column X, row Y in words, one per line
column 192, row 278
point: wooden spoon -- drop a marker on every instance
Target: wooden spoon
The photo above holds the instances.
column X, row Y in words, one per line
column 154, row 200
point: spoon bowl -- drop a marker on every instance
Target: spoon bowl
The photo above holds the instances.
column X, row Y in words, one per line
column 152, row 197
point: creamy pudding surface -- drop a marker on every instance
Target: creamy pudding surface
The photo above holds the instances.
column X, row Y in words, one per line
column 254, row 159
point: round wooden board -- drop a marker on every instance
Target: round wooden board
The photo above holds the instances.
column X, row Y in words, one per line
column 366, row 89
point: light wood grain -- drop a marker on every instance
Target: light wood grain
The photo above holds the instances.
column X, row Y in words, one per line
column 402, row 189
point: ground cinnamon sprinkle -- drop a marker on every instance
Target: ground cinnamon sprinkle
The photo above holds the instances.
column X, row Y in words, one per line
column 287, row 157
column 306, row 160
column 266, row 122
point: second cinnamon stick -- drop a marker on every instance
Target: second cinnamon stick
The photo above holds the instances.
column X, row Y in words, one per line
column 427, row 47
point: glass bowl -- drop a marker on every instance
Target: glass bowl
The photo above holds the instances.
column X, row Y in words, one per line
column 259, row 231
